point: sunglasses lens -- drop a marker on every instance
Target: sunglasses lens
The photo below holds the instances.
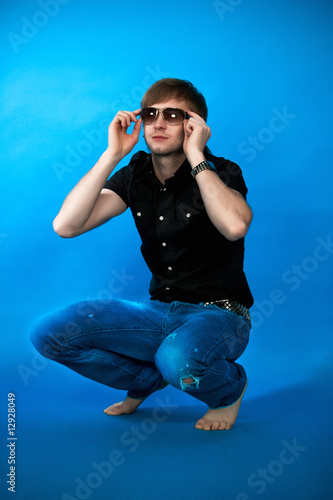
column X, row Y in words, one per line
column 174, row 116
column 148, row 115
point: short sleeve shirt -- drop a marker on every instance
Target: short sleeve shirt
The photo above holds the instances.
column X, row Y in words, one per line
column 190, row 260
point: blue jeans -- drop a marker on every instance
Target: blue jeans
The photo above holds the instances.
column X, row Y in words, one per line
column 139, row 346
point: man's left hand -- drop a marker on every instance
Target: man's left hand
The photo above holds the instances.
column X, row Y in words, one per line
column 197, row 134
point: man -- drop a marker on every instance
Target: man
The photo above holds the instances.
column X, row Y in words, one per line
column 190, row 210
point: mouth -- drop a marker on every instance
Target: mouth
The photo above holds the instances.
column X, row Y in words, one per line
column 159, row 137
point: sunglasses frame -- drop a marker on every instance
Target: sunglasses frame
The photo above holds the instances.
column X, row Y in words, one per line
column 157, row 111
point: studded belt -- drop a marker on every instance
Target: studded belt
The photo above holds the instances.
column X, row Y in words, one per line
column 231, row 305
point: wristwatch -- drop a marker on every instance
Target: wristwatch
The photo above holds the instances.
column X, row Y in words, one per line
column 204, row 165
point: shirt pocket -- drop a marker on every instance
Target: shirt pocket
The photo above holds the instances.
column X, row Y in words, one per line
column 144, row 222
column 189, row 206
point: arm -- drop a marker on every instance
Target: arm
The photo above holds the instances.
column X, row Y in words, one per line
column 88, row 205
column 226, row 208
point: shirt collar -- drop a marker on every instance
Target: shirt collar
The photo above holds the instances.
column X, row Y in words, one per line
column 183, row 174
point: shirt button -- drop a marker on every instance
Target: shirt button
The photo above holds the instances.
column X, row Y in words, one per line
column 188, row 215
column 169, row 268
column 161, row 217
column 163, row 244
column 138, row 214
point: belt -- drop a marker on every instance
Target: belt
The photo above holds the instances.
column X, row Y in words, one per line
column 232, row 306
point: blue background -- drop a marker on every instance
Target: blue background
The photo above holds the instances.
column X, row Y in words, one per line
column 66, row 68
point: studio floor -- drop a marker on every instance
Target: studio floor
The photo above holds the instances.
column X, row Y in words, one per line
column 279, row 448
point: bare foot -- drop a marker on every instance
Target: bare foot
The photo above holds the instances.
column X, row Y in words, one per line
column 126, row 407
column 220, row 419
column 129, row 405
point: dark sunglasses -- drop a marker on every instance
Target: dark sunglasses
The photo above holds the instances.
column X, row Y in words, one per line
column 172, row 116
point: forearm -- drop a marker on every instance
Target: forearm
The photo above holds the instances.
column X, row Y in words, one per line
column 226, row 208
column 80, row 202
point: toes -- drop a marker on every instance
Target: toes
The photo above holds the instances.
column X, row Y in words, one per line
column 213, row 426
column 109, row 411
column 112, row 410
column 207, row 426
column 200, row 424
column 225, row 426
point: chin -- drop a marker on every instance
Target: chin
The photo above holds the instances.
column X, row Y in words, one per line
column 165, row 151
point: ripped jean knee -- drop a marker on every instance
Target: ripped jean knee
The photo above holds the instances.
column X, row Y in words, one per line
column 189, row 382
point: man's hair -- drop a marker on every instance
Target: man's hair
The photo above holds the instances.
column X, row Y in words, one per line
column 169, row 88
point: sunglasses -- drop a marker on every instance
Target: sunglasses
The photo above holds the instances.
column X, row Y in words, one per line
column 172, row 116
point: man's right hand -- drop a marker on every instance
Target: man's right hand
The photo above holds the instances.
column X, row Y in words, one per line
column 120, row 142
column 88, row 205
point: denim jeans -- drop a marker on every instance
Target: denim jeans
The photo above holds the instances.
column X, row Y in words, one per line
column 138, row 347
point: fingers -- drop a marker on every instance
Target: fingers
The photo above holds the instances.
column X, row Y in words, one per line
column 197, row 119
column 136, row 130
column 125, row 118
column 198, row 124
column 197, row 134
column 193, row 122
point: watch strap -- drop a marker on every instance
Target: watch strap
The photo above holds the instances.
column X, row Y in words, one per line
column 204, row 165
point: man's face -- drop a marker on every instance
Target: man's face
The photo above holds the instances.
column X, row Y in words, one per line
column 161, row 137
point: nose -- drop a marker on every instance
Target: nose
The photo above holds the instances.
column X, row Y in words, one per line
column 159, row 122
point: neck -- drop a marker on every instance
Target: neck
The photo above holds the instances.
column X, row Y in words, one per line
column 165, row 166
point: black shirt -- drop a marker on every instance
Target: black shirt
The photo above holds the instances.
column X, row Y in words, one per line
column 190, row 260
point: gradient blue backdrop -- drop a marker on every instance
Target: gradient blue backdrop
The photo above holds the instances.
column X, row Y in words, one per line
column 66, row 68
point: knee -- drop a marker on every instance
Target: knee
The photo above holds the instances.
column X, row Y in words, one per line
column 177, row 367
column 46, row 338
column 187, row 381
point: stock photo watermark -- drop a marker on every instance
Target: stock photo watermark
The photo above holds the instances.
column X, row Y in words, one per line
column 277, row 124
column 92, row 138
column 31, row 26
column 222, row 8
column 293, row 277
column 263, row 477
column 130, row 441
column 11, row 442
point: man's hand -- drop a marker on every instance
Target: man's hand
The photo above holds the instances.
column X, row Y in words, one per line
column 120, row 142
column 197, row 134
